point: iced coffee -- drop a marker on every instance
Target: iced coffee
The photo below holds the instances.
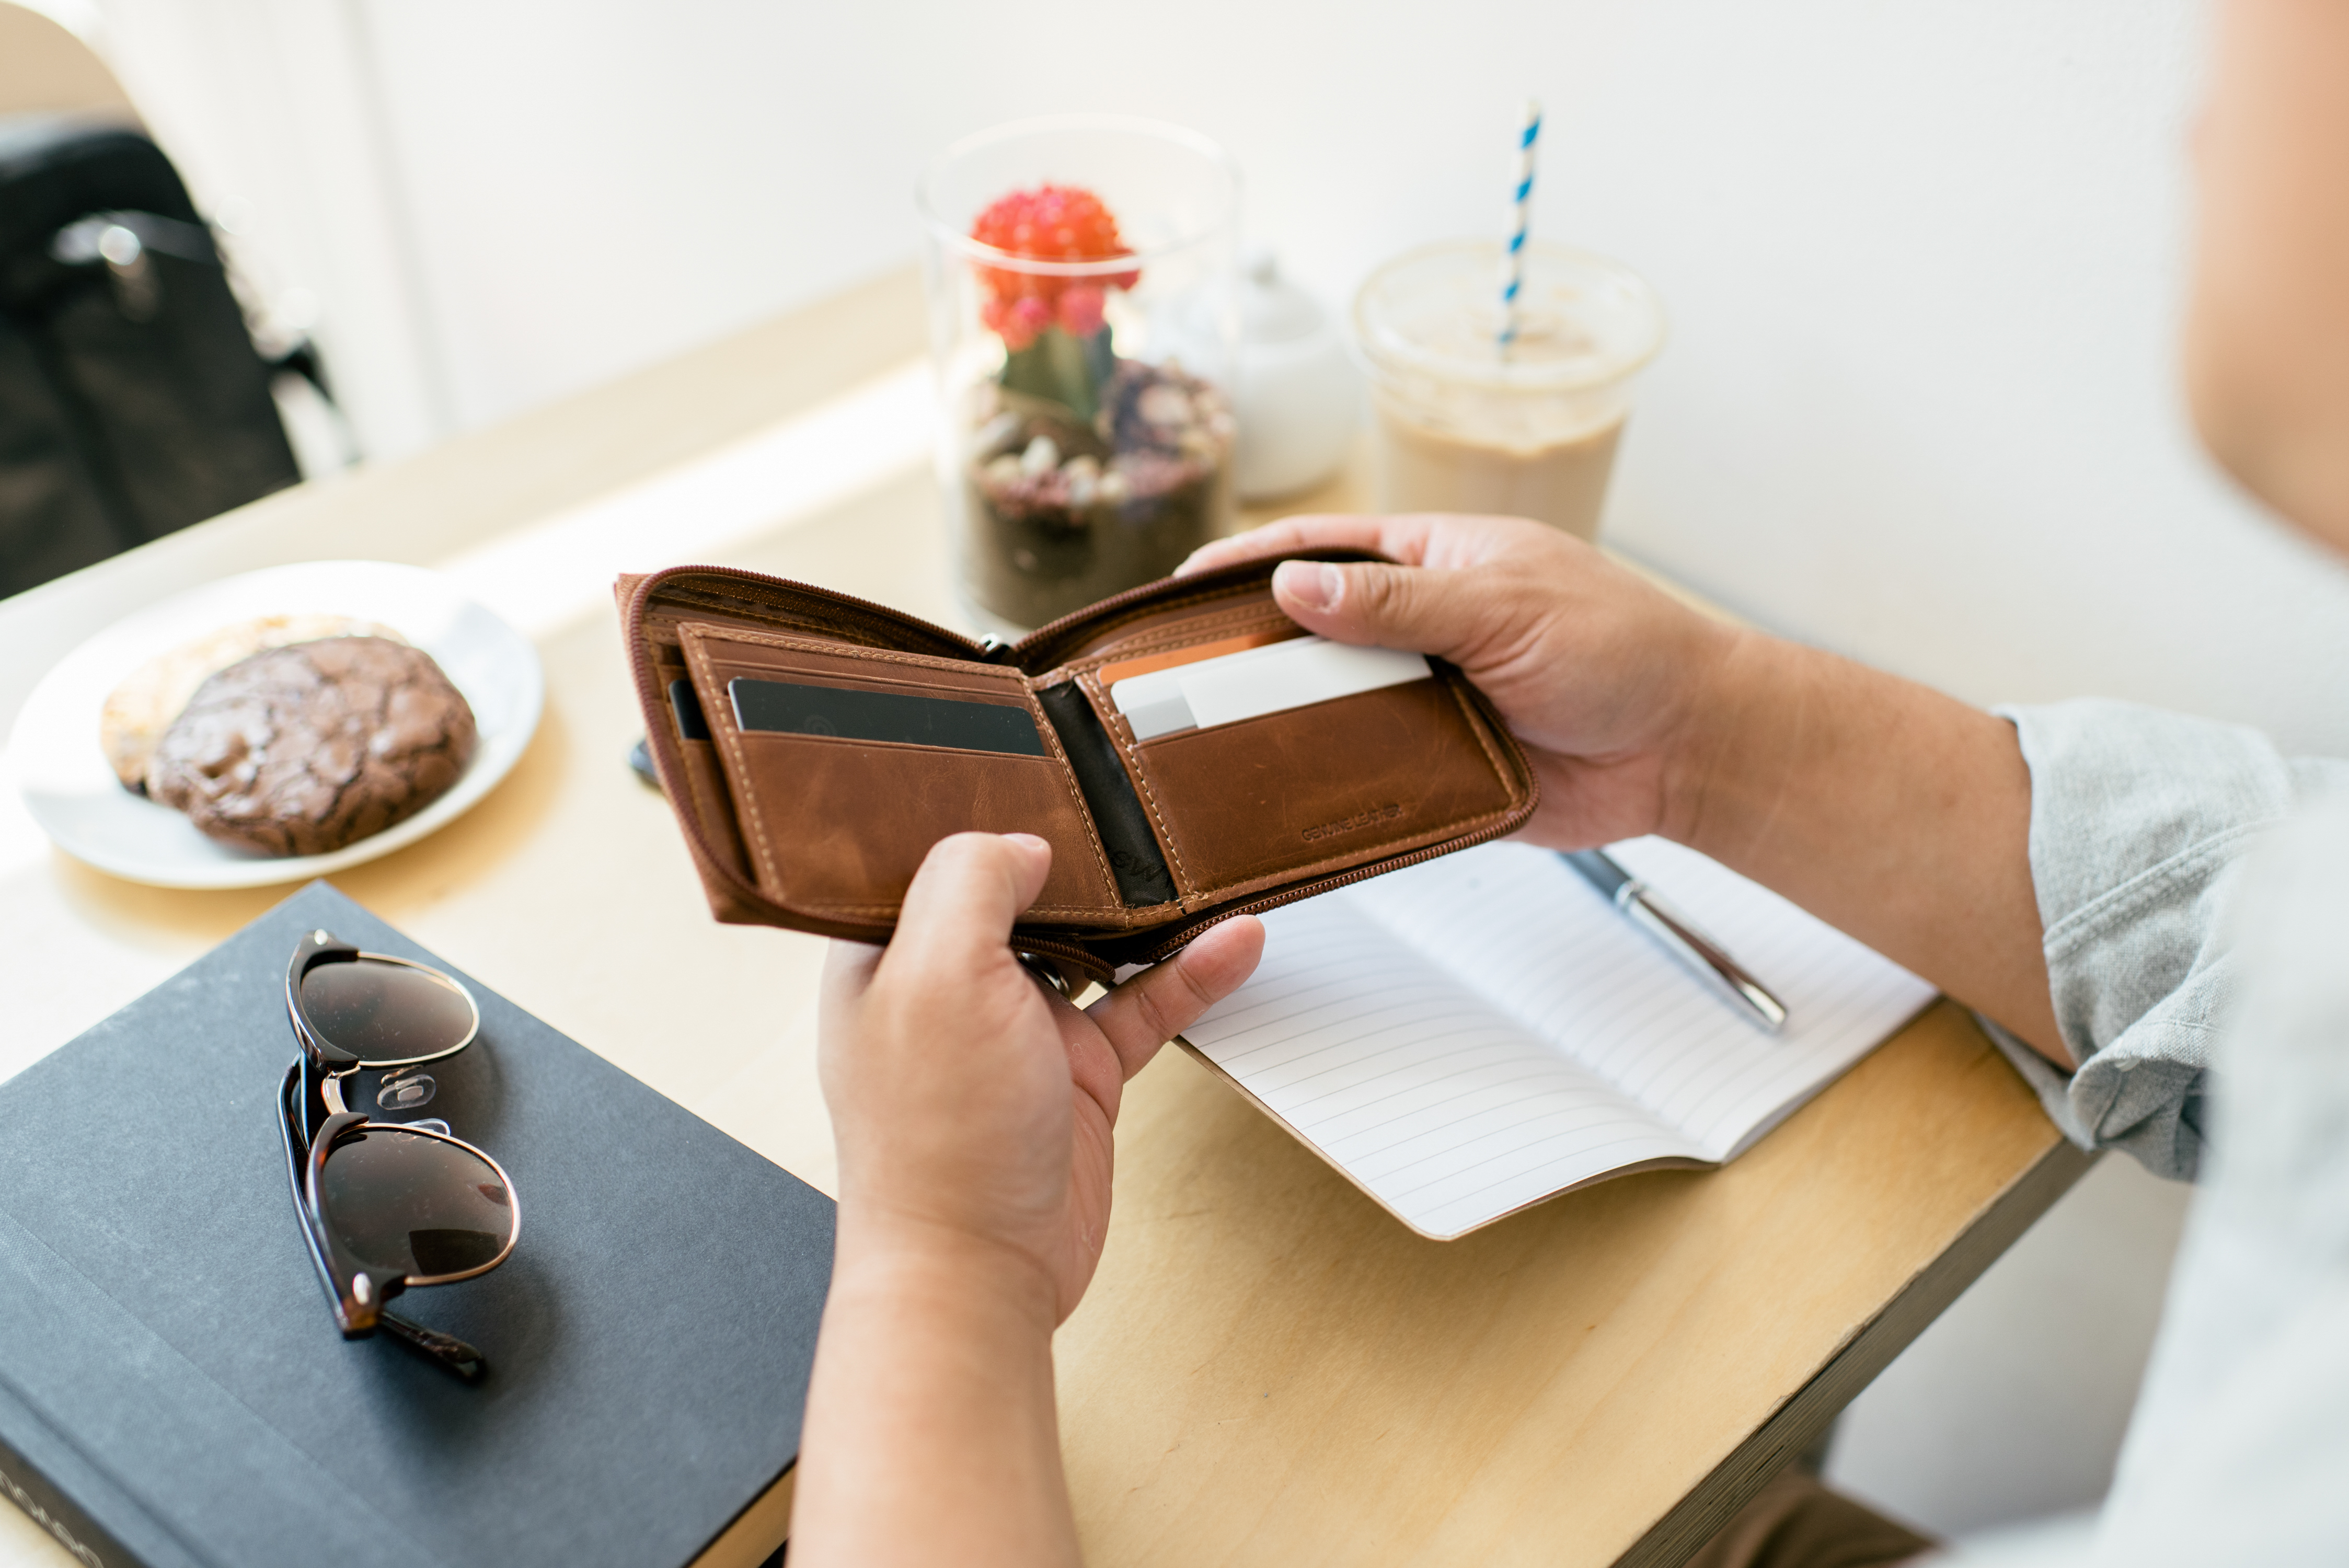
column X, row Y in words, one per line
column 1525, row 423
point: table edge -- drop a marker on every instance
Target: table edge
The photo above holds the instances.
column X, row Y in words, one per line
column 1806, row 1416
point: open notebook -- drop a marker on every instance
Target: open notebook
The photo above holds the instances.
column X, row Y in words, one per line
column 1467, row 1036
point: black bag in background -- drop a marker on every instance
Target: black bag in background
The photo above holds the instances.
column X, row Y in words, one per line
column 132, row 402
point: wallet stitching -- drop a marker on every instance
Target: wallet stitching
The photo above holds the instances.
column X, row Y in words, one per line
column 757, row 819
column 805, row 645
column 1477, row 726
column 821, row 639
column 1340, row 861
column 1121, row 732
column 1337, row 862
column 1183, row 603
column 1183, row 636
column 731, row 746
column 864, row 680
column 768, row 601
column 736, row 882
column 1272, row 882
column 1165, row 832
column 1069, row 782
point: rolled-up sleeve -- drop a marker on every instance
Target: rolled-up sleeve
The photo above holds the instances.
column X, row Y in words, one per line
column 2140, row 823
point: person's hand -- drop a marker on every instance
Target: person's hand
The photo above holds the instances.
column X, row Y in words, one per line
column 973, row 1108
column 1600, row 676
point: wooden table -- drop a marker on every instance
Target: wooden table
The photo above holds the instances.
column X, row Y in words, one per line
column 1268, row 1369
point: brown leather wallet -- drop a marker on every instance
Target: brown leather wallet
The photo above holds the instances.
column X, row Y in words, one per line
column 815, row 745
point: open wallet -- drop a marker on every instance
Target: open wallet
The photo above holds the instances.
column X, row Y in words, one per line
column 1189, row 752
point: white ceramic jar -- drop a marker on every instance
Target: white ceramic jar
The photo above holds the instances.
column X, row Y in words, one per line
column 1300, row 396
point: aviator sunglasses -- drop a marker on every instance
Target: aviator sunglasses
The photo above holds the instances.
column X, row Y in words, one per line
column 385, row 1205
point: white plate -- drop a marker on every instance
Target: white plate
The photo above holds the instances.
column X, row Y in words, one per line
column 53, row 759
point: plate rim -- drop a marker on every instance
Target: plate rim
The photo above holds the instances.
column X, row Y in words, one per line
column 226, row 875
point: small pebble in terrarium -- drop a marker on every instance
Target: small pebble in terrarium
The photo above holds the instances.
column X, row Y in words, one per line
column 1087, row 472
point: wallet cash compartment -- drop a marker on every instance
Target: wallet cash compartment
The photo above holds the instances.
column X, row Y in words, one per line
column 1311, row 790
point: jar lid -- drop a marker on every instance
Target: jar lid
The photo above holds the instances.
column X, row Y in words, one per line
column 1582, row 320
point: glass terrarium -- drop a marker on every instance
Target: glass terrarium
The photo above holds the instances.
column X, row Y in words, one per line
column 1081, row 309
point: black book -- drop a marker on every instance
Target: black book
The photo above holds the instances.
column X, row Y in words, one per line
column 173, row 1392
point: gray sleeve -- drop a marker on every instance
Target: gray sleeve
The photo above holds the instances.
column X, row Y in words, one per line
column 2236, row 1449
column 2140, row 822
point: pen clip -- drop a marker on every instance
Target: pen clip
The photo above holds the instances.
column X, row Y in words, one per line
column 1701, row 953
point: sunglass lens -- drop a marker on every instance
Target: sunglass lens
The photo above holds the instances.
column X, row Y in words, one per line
column 421, row 1205
column 385, row 1012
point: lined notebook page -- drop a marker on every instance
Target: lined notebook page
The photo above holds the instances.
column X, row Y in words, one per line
column 1469, row 1036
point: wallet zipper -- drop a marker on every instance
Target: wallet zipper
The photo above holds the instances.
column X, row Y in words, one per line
column 980, row 651
column 989, row 650
column 995, row 651
column 1203, row 584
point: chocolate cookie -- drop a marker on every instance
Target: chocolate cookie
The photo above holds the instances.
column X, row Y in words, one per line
column 142, row 708
column 303, row 749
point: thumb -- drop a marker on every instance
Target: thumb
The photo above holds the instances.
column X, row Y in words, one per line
column 957, row 915
column 1423, row 609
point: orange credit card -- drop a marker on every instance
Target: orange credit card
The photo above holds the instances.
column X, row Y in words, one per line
column 1149, row 663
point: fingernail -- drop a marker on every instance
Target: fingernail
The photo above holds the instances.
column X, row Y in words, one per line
column 1313, row 585
column 1031, row 839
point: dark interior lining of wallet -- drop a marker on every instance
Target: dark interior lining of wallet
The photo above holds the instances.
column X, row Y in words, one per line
column 753, row 605
column 1118, row 813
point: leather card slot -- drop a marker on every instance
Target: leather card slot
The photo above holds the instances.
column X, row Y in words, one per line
column 776, row 657
column 1124, row 823
column 841, row 825
column 898, row 717
column 1010, row 691
column 848, row 769
column 705, row 778
column 685, row 709
column 1316, row 788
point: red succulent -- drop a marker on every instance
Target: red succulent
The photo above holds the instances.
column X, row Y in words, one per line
column 1050, row 223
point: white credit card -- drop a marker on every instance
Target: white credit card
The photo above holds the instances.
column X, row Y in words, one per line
column 1257, row 681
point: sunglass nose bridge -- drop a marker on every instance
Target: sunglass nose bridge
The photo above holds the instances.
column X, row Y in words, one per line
column 408, row 1091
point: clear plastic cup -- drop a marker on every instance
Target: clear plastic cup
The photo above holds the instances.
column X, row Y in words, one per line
column 1462, row 426
column 1088, row 435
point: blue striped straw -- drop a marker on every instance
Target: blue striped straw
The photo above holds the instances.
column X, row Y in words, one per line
column 1521, row 206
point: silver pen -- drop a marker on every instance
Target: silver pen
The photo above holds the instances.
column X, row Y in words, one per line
column 1703, row 956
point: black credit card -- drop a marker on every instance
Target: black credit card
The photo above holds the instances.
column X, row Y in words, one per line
column 691, row 725
column 784, row 707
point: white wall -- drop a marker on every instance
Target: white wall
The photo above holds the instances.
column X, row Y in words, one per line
column 1922, row 260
